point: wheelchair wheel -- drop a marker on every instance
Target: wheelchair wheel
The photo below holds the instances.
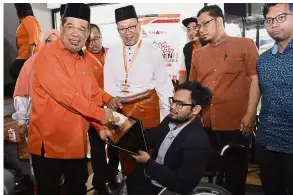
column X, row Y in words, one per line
column 201, row 189
column 209, row 189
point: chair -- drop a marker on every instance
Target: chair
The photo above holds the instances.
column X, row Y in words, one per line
column 201, row 189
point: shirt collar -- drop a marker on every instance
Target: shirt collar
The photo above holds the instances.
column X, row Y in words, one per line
column 275, row 48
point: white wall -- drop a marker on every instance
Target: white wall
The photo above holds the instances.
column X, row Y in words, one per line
column 43, row 14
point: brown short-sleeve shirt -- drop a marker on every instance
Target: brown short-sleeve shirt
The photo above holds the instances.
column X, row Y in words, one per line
column 225, row 69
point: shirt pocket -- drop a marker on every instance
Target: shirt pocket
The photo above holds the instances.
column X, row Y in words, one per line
column 233, row 65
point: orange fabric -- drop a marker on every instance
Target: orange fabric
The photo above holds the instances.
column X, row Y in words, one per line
column 148, row 111
column 64, row 95
column 182, row 71
column 27, row 33
column 23, row 85
column 224, row 69
column 97, row 65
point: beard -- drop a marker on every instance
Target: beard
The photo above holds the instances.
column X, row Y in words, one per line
column 181, row 119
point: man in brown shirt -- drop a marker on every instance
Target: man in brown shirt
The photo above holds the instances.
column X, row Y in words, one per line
column 227, row 66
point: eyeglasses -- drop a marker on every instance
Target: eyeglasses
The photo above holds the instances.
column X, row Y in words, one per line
column 178, row 104
column 279, row 18
column 80, row 29
column 130, row 28
column 205, row 24
column 96, row 39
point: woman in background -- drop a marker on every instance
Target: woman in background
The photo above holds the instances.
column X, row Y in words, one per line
column 27, row 37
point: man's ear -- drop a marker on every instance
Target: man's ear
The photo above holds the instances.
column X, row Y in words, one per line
column 220, row 21
column 196, row 109
column 61, row 28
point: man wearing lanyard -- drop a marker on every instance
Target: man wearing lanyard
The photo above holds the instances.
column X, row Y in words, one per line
column 103, row 171
column 139, row 76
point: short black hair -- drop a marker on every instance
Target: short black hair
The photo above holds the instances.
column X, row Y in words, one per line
column 213, row 10
column 23, row 10
column 267, row 6
column 95, row 26
column 199, row 95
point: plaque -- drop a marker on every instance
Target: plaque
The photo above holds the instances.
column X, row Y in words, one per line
column 128, row 135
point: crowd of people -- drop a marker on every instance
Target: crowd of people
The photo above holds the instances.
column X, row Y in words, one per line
column 69, row 87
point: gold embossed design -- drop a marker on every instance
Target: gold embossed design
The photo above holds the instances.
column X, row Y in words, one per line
column 118, row 132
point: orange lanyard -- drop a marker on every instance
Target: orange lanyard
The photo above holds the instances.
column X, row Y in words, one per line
column 127, row 66
column 98, row 61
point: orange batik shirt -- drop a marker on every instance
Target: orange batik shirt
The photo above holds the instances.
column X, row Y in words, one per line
column 97, row 64
column 65, row 97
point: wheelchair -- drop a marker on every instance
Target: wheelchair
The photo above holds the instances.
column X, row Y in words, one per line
column 212, row 180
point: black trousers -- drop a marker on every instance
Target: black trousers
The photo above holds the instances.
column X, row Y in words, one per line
column 276, row 171
column 138, row 184
column 16, row 68
column 48, row 173
column 103, row 171
column 234, row 165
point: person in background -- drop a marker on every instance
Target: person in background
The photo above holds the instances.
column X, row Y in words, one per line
column 229, row 71
column 65, row 100
column 27, row 37
column 103, row 171
column 134, row 70
column 190, row 48
column 274, row 135
column 181, row 146
column 23, row 87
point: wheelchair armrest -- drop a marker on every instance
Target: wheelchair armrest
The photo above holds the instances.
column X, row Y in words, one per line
column 236, row 147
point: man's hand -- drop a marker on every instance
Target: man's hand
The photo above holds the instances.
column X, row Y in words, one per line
column 115, row 103
column 109, row 117
column 247, row 124
column 105, row 134
column 143, row 157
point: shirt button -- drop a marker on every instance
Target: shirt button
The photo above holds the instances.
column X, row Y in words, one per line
column 215, row 70
column 213, row 81
column 211, row 104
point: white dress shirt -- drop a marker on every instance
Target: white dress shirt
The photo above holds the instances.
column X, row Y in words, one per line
column 22, row 106
column 147, row 72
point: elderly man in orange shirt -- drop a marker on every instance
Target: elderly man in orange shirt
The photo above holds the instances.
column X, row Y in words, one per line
column 65, row 100
column 227, row 66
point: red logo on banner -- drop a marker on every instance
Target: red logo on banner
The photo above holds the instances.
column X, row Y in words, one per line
column 157, row 32
column 168, row 53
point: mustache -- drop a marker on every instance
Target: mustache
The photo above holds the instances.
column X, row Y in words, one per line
column 173, row 110
column 74, row 39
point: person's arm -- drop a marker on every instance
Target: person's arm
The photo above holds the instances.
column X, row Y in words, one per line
column 193, row 73
column 63, row 90
column 31, row 49
column 251, row 56
column 109, row 78
column 182, row 71
column 31, row 26
column 164, row 86
column 22, row 109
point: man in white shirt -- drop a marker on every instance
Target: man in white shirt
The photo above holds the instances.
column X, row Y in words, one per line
column 135, row 71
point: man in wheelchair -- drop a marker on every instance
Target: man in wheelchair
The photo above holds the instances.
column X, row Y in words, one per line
column 180, row 145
